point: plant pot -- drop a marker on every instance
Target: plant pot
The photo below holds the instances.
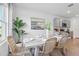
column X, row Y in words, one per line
column 18, row 42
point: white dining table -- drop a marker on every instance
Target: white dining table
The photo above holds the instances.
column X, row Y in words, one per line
column 35, row 43
column 59, row 37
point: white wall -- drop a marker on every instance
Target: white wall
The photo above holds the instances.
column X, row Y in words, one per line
column 75, row 26
column 4, row 48
column 10, row 9
column 25, row 14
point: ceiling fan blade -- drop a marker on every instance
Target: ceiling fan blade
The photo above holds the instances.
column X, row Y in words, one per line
column 70, row 5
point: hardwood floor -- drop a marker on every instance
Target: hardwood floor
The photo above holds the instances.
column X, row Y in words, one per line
column 71, row 48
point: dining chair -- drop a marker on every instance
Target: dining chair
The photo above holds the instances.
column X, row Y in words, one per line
column 63, row 41
column 71, row 34
column 17, row 50
column 48, row 46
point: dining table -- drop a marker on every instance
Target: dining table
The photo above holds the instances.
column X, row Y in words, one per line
column 35, row 43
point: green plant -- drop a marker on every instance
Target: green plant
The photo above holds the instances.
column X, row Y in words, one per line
column 18, row 25
column 48, row 26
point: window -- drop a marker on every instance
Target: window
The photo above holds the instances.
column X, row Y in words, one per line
column 2, row 23
column 1, row 11
column 2, row 30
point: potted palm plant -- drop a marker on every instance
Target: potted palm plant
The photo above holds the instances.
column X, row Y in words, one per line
column 18, row 25
column 48, row 28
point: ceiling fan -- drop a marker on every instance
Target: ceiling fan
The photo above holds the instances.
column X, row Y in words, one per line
column 70, row 5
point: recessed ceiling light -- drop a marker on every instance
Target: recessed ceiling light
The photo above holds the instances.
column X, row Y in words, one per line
column 68, row 11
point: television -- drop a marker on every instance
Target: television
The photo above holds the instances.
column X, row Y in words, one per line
column 64, row 25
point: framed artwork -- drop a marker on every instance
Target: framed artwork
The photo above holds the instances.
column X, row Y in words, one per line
column 66, row 23
column 37, row 23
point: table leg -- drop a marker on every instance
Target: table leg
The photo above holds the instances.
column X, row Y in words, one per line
column 36, row 51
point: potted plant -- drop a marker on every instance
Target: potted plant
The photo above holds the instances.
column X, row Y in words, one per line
column 48, row 28
column 18, row 25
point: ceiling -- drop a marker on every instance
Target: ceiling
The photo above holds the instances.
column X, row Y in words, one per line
column 57, row 9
